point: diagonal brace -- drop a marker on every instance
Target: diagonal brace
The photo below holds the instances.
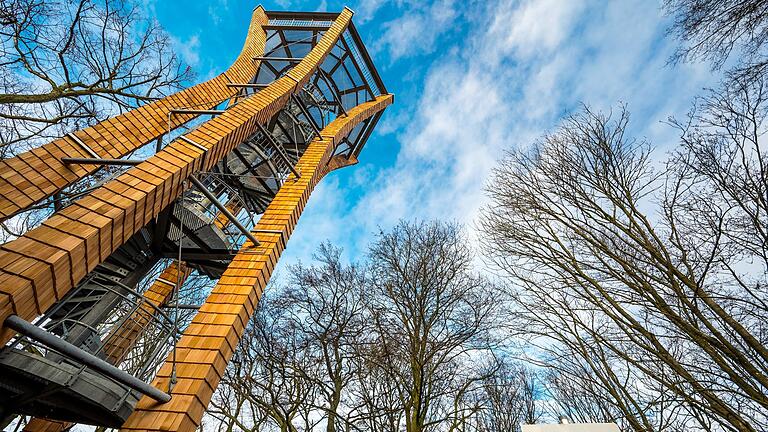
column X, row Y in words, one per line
column 224, row 210
column 306, row 113
column 278, row 149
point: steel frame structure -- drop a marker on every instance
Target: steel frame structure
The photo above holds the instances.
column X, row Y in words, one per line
column 221, row 199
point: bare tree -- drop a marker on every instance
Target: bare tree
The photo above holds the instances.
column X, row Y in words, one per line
column 585, row 380
column 298, row 358
column 325, row 305
column 432, row 319
column 603, row 389
column 404, row 341
column 375, row 395
column 69, row 64
column 511, row 397
column 712, row 30
column 266, row 385
column 577, row 397
column 645, row 268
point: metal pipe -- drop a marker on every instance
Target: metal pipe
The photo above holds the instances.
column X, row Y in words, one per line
column 200, row 147
column 80, row 142
column 35, row 333
column 322, row 27
column 100, row 161
column 224, row 210
column 304, row 16
column 267, row 231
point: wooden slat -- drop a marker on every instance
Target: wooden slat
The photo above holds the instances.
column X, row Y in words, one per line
column 48, row 261
column 24, row 186
column 123, row 338
column 211, row 338
column 112, row 218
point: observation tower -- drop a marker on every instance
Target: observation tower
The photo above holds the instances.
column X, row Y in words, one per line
column 206, row 183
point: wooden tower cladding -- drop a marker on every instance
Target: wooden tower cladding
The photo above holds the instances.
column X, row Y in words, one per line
column 216, row 175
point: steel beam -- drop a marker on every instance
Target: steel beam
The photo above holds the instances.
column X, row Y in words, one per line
column 196, row 111
column 36, row 333
column 305, row 16
column 224, row 210
column 288, row 59
column 278, row 149
column 333, row 89
column 297, row 27
column 306, row 113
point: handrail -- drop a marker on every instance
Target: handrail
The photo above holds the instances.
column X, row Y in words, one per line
column 35, row 333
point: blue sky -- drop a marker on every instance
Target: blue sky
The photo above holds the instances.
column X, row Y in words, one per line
column 471, row 80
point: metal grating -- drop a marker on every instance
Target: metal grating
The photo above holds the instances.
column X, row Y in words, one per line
column 300, row 23
column 367, row 75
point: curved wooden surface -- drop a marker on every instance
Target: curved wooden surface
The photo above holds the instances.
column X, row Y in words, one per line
column 210, row 340
column 38, row 174
column 158, row 294
column 123, row 338
column 40, row 267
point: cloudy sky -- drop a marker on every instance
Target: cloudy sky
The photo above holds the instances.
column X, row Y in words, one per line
column 471, row 80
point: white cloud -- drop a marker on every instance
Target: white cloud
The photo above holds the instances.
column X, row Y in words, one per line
column 216, row 9
column 523, row 66
column 366, row 9
column 417, row 29
column 188, row 49
column 533, row 26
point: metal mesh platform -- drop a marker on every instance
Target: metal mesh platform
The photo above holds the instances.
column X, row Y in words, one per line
column 62, row 391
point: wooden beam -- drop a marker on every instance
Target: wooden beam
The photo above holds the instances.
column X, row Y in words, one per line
column 37, row 174
column 210, row 340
